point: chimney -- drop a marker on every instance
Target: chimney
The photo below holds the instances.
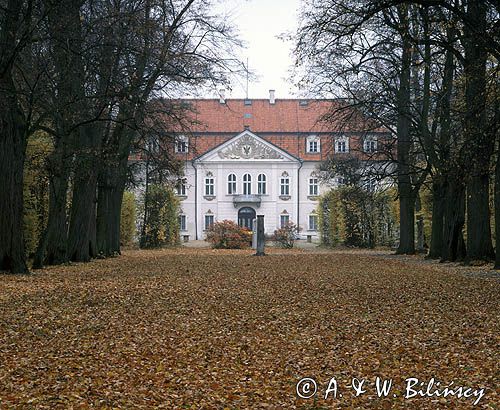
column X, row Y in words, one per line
column 222, row 97
column 271, row 97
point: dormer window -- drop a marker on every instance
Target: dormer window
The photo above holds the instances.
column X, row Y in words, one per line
column 153, row 145
column 313, row 144
column 181, row 144
column 342, row 144
column 370, row 144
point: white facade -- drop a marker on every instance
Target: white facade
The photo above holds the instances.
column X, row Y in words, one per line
column 246, row 157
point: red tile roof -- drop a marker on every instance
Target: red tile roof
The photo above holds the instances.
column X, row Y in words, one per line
column 285, row 116
column 286, row 124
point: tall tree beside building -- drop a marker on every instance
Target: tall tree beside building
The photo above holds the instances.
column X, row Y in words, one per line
column 479, row 141
column 15, row 34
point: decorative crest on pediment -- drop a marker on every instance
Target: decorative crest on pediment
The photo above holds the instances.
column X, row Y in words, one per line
column 248, row 147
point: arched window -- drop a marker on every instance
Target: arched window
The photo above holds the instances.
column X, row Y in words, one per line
column 247, row 184
column 231, row 184
column 261, row 184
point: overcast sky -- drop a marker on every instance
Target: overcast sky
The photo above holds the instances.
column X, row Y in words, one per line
column 259, row 23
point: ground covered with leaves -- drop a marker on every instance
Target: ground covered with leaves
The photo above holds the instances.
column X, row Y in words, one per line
column 198, row 328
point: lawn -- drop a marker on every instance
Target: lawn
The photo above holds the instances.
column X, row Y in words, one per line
column 197, row 328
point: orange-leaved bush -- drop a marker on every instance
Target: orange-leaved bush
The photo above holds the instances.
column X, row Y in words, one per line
column 229, row 235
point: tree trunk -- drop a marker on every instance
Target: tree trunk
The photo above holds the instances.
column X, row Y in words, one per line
column 111, row 188
column 82, row 228
column 12, row 154
column 497, row 212
column 438, row 204
column 103, row 213
column 479, row 246
column 496, row 128
column 52, row 247
column 407, row 223
column 13, row 129
column 406, row 195
column 420, row 234
column 453, row 221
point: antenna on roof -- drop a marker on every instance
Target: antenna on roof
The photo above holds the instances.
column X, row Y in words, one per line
column 247, row 80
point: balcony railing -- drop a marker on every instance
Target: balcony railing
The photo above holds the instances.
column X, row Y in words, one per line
column 247, row 199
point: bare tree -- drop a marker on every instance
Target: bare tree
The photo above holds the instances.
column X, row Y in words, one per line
column 16, row 27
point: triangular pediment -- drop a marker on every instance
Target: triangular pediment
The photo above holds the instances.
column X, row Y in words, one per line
column 247, row 146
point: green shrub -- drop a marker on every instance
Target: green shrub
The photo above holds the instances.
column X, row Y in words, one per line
column 229, row 235
column 128, row 219
column 286, row 235
column 331, row 219
column 161, row 226
column 35, row 190
column 355, row 217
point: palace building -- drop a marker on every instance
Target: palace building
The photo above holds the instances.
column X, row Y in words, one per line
column 248, row 157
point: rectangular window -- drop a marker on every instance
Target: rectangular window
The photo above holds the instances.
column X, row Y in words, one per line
column 313, row 186
column 313, row 222
column 285, row 186
column 181, row 187
column 342, row 146
column 313, row 146
column 181, row 144
column 209, row 221
column 284, row 219
column 209, row 187
column 182, row 222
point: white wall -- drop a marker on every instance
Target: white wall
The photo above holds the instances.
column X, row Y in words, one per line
column 271, row 205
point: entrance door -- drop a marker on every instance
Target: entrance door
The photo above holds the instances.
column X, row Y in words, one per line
column 246, row 216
